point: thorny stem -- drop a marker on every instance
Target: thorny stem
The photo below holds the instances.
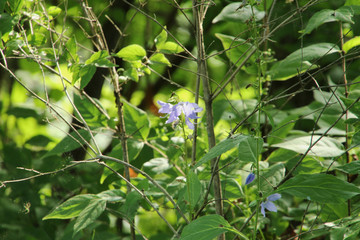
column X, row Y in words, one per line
column 199, row 11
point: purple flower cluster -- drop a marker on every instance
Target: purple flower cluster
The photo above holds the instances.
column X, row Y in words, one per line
column 174, row 111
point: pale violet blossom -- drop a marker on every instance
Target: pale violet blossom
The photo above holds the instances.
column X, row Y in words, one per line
column 268, row 204
column 173, row 112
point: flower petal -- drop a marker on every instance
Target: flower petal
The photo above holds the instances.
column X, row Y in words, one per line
column 274, row 197
column 270, row 206
column 249, row 178
column 262, row 209
column 165, row 107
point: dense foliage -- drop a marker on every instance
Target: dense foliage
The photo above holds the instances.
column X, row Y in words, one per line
column 166, row 119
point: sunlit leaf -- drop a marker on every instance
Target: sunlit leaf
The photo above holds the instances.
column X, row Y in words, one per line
column 208, row 227
column 160, row 39
column 72, row 207
column 69, row 143
column 326, row 147
column 160, row 58
column 328, row 15
column 136, row 121
column 89, row 214
column 221, row 148
column 170, row 48
column 193, row 191
column 233, row 12
column 322, row 188
column 132, row 52
column 354, row 42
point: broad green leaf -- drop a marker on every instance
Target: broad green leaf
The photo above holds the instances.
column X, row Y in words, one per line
column 233, row 13
column 90, row 213
column 6, row 23
column 100, row 59
column 221, row 148
column 84, row 73
column 113, row 195
column 300, row 61
column 250, row 148
column 309, row 165
column 132, row 73
column 54, row 11
column 160, row 39
column 328, row 15
column 326, row 147
column 36, row 39
column 69, row 143
column 208, row 227
column 23, row 112
column 71, row 208
column 170, row 48
column 132, row 52
column 14, row 6
column 39, row 141
column 354, row 42
column 90, row 113
column 137, row 122
column 270, row 177
column 193, row 190
column 160, row 58
column 320, row 188
column 237, row 50
column 131, row 205
column 157, row 165
column 72, row 50
column 231, row 189
column 350, row 168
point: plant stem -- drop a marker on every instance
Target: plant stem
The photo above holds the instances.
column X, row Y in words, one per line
column 199, row 9
column 343, row 64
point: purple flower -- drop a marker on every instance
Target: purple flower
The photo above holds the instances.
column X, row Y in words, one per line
column 268, row 204
column 174, row 111
column 249, row 178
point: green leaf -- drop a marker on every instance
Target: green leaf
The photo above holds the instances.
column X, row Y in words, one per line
column 54, row 11
column 221, row 148
column 137, row 122
column 160, row 39
column 113, row 195
column 6, row 23
column 354, row 42
column 90, row 113
column 300, row 61
column 350, row 168
column 90, row 213
column 132, row 52
column 157, row 165
column 327, row 15
column 100, row 59
column 233, row 13
column 170, row 48
column 208, row 227
column 71, row 208
column 22, row 112
column 326, row 147
column 131, row 205
column 160, row 58
column 132, row 73
column 84, row 73
column 193, row 190
column 271, row 177
column 39, row 141
column 69, row 143
column 14, row 6
column 250, row 148
column 72, row 50
column 237, row 50
column 320, row 188
column 36, row 39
